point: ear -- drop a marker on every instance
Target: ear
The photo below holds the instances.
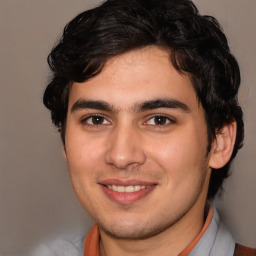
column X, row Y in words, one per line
column 222, row 146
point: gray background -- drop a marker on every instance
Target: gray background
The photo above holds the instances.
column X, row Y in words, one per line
column 36, row 197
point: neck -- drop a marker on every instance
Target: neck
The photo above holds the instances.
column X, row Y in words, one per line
column 170, row 242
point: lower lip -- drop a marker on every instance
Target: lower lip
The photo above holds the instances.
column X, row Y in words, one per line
column 126, row 198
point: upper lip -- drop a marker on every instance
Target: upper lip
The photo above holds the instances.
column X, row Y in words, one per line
column 126, row 182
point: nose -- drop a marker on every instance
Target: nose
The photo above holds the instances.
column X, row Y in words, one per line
column 125, row 148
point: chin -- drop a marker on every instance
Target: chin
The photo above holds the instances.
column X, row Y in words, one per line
column 133, row 231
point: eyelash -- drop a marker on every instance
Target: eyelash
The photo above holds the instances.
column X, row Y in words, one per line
column 84, row 121
column 165, row 118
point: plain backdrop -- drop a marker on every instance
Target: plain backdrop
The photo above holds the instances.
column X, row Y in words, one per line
column 36, row 198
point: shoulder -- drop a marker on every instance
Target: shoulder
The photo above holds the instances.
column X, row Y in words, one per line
column 68, row 245
column 241, row 250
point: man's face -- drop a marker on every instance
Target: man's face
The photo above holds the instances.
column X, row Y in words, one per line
column 136, row 146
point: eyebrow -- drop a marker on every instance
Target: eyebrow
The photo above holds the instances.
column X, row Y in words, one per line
column 163, row 103
column 92, row 104
column 139, row 107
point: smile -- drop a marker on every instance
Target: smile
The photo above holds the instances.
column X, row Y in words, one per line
column 126, row 192
column 126, row 189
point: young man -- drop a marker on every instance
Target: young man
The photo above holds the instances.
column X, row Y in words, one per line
column 144, row 93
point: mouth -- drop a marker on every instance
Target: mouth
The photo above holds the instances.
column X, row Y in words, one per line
column 126, row 192
column 127, row 189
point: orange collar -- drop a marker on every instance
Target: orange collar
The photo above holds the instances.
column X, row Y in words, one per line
column 91, row 245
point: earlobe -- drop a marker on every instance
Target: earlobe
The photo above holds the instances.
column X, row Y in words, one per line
column 223, row 145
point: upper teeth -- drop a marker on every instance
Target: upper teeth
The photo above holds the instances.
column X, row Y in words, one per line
column 126, row 188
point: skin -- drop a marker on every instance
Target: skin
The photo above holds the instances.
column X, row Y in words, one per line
column 126, row 142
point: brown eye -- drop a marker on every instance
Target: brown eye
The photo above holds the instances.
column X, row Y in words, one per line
column 160, row 120
column 96, row 120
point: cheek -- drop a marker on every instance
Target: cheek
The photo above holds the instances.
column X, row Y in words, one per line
column 84, row 158
column 83, row 151
column 180, row 153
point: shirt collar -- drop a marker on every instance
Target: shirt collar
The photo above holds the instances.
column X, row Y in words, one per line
column 91, row 245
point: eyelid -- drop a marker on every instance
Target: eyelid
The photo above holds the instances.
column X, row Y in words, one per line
column 171, row 120
column 87, row 117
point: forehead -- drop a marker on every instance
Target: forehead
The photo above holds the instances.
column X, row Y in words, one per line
column 136, row 76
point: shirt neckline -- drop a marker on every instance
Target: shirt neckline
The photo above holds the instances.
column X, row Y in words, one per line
column 91, row 244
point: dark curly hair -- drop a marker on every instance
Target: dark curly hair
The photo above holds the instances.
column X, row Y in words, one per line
column 196, row 44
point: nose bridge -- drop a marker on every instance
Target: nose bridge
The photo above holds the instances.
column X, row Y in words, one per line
column 125, row 147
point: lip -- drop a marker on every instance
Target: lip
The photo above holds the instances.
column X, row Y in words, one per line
column 124, row 197
column 126, row 182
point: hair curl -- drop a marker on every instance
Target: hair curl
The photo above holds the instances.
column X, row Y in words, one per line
column 196, row 44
